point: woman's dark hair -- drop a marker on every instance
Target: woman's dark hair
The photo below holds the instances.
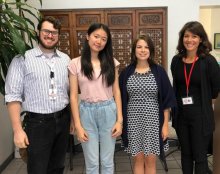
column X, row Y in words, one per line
column 150, row 44
column 56, row 23
column 196, row 28
column 105, row 57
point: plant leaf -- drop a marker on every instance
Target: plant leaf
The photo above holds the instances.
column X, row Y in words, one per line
column 7, row 54
column 30, row 12
column 17, row 32
column 17, row 40
column 16, row 18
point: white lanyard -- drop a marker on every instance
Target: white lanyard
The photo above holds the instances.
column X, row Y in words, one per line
column 52, row 86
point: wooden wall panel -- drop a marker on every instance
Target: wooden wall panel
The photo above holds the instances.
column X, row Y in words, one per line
column 122, row 42
column 65, row 42
column 124, row 24
column 154, row 23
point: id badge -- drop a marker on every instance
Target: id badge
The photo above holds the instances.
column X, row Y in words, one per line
column 53, row 93
column 187, row 100
column 52, row 90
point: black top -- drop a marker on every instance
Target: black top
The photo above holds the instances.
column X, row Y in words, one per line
column 194, row 86
column 209, row 75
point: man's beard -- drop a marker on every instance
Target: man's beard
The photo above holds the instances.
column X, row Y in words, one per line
column 46, row 46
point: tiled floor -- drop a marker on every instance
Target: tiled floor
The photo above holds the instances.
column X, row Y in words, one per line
column 123, row 164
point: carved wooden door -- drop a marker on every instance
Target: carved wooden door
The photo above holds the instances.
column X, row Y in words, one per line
column 124, row 24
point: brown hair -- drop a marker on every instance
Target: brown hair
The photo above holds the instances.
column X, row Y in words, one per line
column 196, row 28
column 150, row 43
column 56, row 22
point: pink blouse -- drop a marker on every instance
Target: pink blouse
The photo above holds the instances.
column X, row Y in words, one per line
column 91, row 90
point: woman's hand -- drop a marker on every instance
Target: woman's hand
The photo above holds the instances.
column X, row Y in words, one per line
column 82, row 135
column 117, row 129
column 165, row 128
column 165, row 131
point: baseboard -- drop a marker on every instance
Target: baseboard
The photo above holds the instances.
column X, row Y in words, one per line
column 6, row 162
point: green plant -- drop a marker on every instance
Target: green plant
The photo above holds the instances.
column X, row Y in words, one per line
column 17, row 32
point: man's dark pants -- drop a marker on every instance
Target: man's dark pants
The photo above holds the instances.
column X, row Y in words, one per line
column 48, row 137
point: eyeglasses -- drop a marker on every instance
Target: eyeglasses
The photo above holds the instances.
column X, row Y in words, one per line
column 47, row 32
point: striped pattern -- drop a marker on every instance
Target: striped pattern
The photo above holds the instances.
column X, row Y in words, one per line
column 28, row 81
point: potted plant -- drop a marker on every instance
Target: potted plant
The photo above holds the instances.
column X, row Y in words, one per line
column 17, row 32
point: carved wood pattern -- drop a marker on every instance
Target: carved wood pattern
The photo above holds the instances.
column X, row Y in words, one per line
column 63, row 17
column 115, row 20
column 121, row 24
column 124, row 25
column 122, row 43
column 150, row 19
column 84, row 20
column 81, row 36
column 64, row 42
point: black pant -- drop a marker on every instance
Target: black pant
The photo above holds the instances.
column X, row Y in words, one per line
column 48, row 137
column 194, row 144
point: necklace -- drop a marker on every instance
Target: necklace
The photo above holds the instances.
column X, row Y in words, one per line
column 142, row 70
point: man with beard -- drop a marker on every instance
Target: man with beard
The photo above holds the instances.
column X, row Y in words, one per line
column 38, row 83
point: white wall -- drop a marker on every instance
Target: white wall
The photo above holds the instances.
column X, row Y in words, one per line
column 205, row 16
column 209, row 17
column 6, row 136
column 216, row 28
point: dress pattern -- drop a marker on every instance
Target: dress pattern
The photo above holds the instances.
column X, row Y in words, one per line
column 143, row 114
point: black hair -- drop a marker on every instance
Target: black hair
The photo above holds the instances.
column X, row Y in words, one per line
column 105, row 57
column 196, row 28
column 150, row 44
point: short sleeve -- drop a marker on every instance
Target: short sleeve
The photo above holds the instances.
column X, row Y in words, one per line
column 75, row 66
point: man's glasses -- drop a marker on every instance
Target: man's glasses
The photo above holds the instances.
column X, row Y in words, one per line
column 47, row 32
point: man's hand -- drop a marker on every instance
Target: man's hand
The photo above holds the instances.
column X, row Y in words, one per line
column 21, row 139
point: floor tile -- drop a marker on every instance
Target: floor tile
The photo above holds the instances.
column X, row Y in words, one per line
column 123, row 164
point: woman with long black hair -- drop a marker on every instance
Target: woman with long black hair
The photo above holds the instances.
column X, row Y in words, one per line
column 98, row 118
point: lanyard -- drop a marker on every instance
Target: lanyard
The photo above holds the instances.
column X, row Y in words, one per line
column 52, row 86
column 51, row 64
column 187, row 78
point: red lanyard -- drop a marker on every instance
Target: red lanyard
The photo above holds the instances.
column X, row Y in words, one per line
column 187, row 78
